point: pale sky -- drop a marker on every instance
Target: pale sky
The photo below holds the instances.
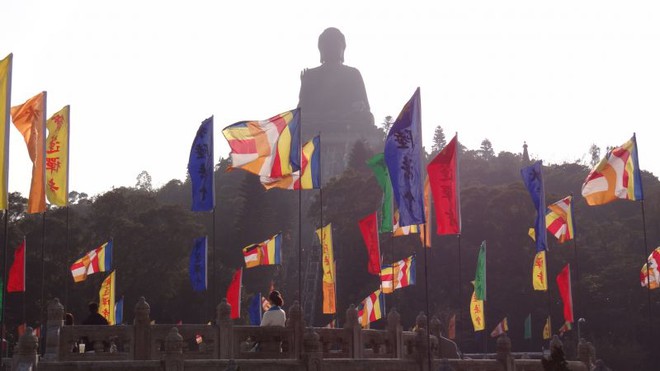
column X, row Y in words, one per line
column 140, row 76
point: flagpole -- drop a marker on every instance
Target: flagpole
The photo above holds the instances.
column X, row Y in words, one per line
column 648, row 277
column 428, row 312
column 66, row 258
column 575, row 258
column 460, row 293
column 300, row 211
column 4, row 276
column 43, row 271
column 485, row 296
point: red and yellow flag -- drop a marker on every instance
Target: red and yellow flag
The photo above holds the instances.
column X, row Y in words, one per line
column 477, row 313
column 5, row 103
column 107, row 298
column 547, row 330
column 539, row 273
column 325, row 236
column 30, row 120
column 57, row 158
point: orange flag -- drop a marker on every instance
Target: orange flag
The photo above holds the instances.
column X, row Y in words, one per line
column 30, row 120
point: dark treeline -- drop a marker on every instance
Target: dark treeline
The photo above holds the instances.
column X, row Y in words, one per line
column 153, row 231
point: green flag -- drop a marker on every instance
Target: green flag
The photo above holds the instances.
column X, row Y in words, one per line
column 480, row 275
column 528, row 327
column 378, row 166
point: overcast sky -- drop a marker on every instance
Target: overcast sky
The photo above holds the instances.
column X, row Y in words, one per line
column 140, row 76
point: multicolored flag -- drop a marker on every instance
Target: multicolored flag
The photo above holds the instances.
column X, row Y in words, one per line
column 198, row 266
column 97, row 260
column 5, row 103
column 398, row 275
column 500, row 329
column 567, row 326
column 201, row 166
column 650, row 273
column 268, row 252
column 547, row 330
column 443, row 176
column 372, row 309
column 30, row 120
column 528, row 327
column 16, row 279
column 119, row 311
column 107, row 299
column 269, row 148
column 451, row 328
column 57, row 158
column 378, row 166
column 254, row 310
column 403, row 151
column 399, row 230
column 559, row 219
column 533, row 178
column 328, row 264
column 564, row 285
column 477, row 312
column 234, row 293
column 369, row 228
column 539, row 272
column 617, row 176
column 310, row 170
column 480, row 274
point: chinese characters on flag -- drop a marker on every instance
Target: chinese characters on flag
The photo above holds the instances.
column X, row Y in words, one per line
column 57, row 158
column 107, row 299
column 325, row 236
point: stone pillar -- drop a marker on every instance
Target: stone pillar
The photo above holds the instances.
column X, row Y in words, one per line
column 503, row 346
column 586, row 353
column 354, row 329
column 25, row 353
column 395, row 333
column 225, row 330
column 54, row 324
column 312, row 353
column 435, row 327
column 421, row 342
column 142, row 330
column 295, row 321
column 173, row 351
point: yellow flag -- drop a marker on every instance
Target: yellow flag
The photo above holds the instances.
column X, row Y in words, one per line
column 477, row 313
column 57, row 158
column 539, row 273
column 547, row 330
column 107, row 298
column 325, row 237
column 5, row 102
column 30, row 120
column 425, row 235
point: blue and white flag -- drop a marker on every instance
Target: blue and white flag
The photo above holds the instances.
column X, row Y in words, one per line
column 119, row 311
column 200, row 168
column 403, row 151
column 198, row 265
column 533, row 178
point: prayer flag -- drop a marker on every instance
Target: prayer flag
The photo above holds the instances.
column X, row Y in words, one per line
column 539, row 272
column 547, row 330
column 425, row 229
column 500, row 329
column 480, row 274
column 16, row 279
column 477, row 312
column 201, row 166
column 533, row 178
column 254, row 310
column 398, row 275
column 564, row 285
column 651, row 277
column 617, row 176
column 269, row 148
column 5, row 103
column 268, row 252
column 310, row 170
column 198, row 266
column 328, row 259
column 567, row 326
column 378, row 166
column 369, row 228
column 451, row 329
column 403, row 151
column 119, row 311
column 107, row 299
column 234, row 293
column 559, row 219
column 30, row 120
column 57, row 158
column 403, row 230
column 97, row 260
column 528, row 327
column 372, row 309
column 443, row 177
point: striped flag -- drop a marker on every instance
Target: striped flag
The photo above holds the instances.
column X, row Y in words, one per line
column 310, row 170
column 372, row 309
column 500, row 329
column 398, row 275
column 650, row 273
column 559, row 219
column 268, row 252
column 97, row 260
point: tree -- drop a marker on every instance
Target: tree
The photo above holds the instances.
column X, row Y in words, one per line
column 486, row 150
column 594, row 151
column 439, row 140
column 386, row 125
column 144, row 181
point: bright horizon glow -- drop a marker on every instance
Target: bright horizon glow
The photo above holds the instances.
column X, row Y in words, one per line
column 141, row 76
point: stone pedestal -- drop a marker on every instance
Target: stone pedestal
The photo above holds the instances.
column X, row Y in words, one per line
column 173, row 360
column 142, row 328
column 352, row 326
column 53, row 326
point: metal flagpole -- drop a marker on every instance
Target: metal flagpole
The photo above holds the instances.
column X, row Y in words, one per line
column 576, row 261
column 648, row 277
column 460, row 294
column 216, row 287
column 300, row 213
column 428, row 312
column 66, row 260
column 4, row 277
column 43, row 276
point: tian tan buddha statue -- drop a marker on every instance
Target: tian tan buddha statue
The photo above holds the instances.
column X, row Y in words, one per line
column 333, row 102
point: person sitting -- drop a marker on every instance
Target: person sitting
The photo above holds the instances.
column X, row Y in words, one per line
column 275, row 316
column 94, row 317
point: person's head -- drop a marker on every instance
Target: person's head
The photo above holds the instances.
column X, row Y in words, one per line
column 93, row 307
column 68, row 319
column 275, row 298
column 332, row 44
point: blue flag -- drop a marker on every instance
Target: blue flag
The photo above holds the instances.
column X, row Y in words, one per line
column 200, row 168
column 533, row 178
column 198, row 265
column 403, row 151
column 119, row 311
column 254, row 310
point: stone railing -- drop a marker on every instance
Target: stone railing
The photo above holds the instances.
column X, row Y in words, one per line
column 176, row 347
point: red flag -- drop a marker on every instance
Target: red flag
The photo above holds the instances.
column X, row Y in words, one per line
column 443, row 177
column 234, row 294
column 564, row 285
column 451, row 330
column 16, row 280
column 369, row 229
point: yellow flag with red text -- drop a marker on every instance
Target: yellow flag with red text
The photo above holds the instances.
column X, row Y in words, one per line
column 5, row 103
column 327, row 262
column 477, row 313
column 539, row 273
column 57, row 158
column 547, row 330
column 107, row 298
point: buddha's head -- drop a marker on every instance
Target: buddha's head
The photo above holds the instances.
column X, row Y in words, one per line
column 332, row 45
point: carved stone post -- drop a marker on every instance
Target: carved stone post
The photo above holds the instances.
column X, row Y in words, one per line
column 25, row 352
column 225, row 330
column 54, row 324
column 421, row 342
column 586, row 353
column 312, row 350
column 395, row 333
column 504, row 352
column 142, row 330
column 295, row 321
column 173, row 351
column 435, row 327
column 355, row 330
